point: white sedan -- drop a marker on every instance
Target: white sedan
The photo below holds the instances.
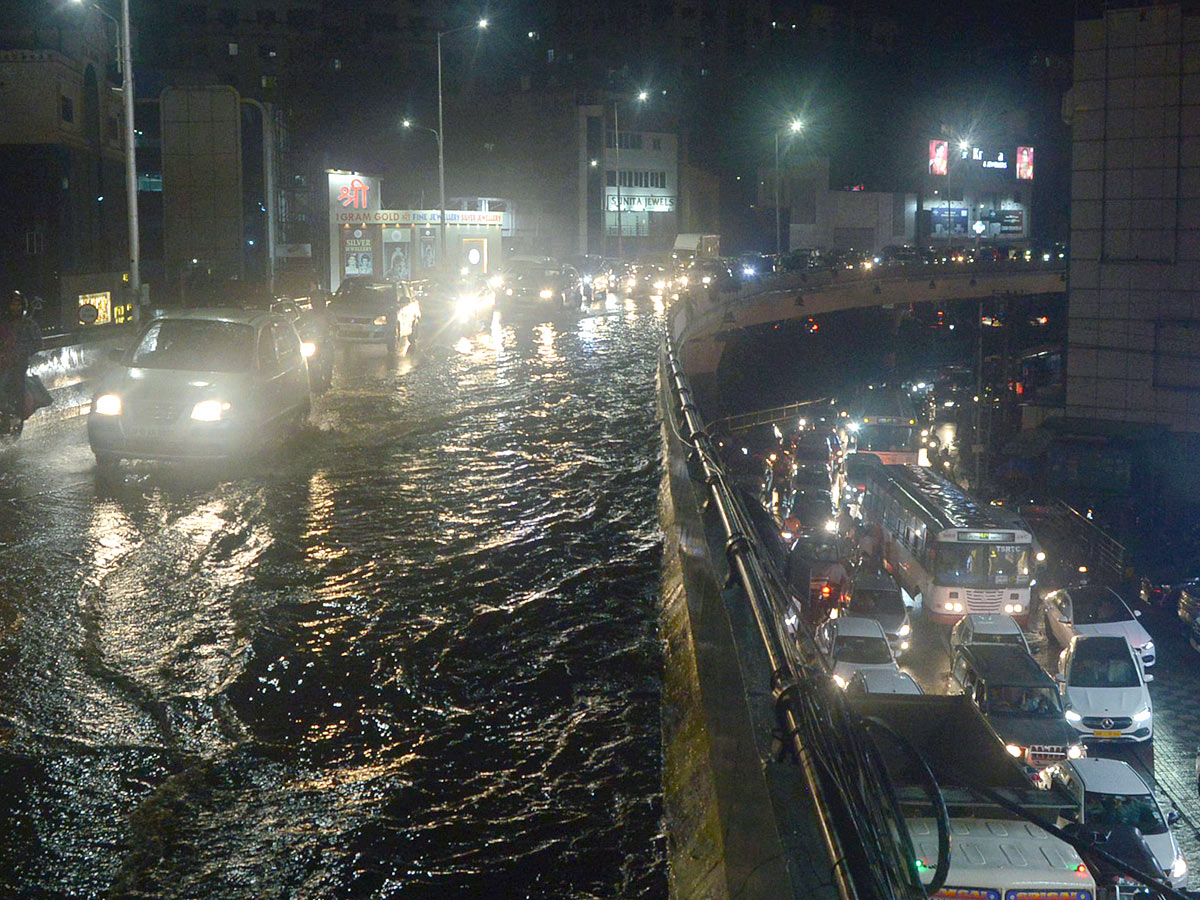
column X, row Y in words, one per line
column 1110, row 792
column 1104, row 690
column 853, row 643
column 1095, row 610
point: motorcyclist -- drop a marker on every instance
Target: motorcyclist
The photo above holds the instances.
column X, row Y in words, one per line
column 20, row 338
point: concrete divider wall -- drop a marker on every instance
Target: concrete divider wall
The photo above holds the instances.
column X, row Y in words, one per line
column 69, row 367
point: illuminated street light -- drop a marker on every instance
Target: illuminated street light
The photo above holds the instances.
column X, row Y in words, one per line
column 795, row 127
column 642, row 97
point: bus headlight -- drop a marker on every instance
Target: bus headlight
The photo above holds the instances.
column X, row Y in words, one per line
column 107, row 405
column 953, row 606
column 1040, row 556
column 1013, row 609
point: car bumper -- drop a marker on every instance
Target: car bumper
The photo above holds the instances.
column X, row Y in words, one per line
column 111, row 435
column 1132, row 735
column 365, row 334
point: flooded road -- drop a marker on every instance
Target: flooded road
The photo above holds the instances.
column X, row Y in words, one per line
column 411, row 653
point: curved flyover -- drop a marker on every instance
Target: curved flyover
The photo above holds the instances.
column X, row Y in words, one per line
column 703, row 321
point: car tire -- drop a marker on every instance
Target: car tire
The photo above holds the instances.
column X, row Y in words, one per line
column 107, row 463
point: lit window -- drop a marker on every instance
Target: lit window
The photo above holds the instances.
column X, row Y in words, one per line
column 233, row 48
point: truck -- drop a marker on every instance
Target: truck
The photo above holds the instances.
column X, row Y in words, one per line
column 696, row 246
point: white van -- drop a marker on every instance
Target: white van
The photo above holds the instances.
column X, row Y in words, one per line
column 1002, row 859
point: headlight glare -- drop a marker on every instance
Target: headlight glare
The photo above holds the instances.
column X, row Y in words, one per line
column 545, row 293
column 381, row 320
column 1014, row 751
column 209, row 410
column 905, row 630
column 1179, row 867
column 107, row 405
column 1075, row 751
column 1142, row 715
column 1072, row 716
column 308, row 349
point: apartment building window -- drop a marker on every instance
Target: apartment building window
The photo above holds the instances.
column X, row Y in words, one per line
column 66, row 109
column 233, row 48
column 630, row 140
column 35, row 243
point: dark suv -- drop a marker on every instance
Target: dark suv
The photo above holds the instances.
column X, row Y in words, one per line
column 1019, row 700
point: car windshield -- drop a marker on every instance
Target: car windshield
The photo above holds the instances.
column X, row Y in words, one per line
column 200, row 345
column 875, row 602
column 859, row 649
column 1113, row 672
column 1137, row 810
column 982, row 565
column 984, row 638
column 1098, row 609
column 1038, row 702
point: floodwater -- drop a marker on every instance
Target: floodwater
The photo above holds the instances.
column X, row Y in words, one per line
column 412, row 652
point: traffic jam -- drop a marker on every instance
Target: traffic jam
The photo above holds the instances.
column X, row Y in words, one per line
column 987, row 638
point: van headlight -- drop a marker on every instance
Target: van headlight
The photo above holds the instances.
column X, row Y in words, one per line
column 209, row 411
column 107, row 405
column 1142, row 715
column 381, row 320
column 1178, row 868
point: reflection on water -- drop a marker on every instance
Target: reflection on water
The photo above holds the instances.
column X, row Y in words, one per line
column 411, row 653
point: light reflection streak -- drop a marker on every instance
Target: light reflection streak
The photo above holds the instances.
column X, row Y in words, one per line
column 545, row 337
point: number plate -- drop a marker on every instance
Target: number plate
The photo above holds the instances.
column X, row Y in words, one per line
column 1107, row 733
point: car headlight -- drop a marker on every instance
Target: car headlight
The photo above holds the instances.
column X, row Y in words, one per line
column 545, row 293
column 495, row 282
column 905, row 630
column 831, row 526
column 587, row 279
column 1147, row 647
column 1075, row 751
column 107, row 405
column 707, row 279
column 1142, row 715
column 839, row 681
column 683, row 280
column 381, row 320
column 659, row 285
column 209, row 410
column 1014, row 751
column 1072, row 716
column 308, row 349
column 464, row 307
column 904, row 645
column 1179, row 867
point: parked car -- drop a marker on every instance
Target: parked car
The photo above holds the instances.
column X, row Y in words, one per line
column 1110, row 793
column 366, row 311
column 1093, row 609
column 201, row 383
column 851, row 644
column 976, row 628
column 1103, row 685
column 1019, row 700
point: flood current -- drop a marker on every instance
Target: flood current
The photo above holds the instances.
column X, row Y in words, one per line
column 412, row 652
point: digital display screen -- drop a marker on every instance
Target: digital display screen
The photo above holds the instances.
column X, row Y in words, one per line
column 1025, row 164
column 938, row 157
column 997, row 537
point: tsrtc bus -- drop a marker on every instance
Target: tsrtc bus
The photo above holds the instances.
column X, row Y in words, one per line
column 884, row 423
column 948, row 552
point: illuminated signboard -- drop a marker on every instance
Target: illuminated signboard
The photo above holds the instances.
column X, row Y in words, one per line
column 1060, row 894
column 996, row 537
column 1012, row 221
column 103, row 303
column 939, row 155
column 641, row 203
column 1025, row 164
column 949, row 893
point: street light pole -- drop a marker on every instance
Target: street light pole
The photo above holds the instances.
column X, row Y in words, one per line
column 125, row 52
column 617, row 145
column 441, row 130
column 795, row 126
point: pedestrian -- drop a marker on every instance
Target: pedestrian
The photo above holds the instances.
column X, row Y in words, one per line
column 20, row 338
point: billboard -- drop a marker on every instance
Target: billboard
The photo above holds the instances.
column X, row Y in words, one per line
column 938, row 157
column 948, row 222
column 1025, row 163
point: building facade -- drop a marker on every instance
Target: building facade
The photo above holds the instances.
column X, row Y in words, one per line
column 822, row 219
column 973, row 193
column 1134, row 309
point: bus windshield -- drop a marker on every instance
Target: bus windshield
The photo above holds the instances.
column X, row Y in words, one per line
column 886, row 439
column 982, row 565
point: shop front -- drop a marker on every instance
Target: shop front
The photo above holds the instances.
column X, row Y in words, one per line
column 403, row 244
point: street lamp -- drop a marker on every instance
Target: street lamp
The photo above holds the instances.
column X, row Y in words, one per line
column 131, row 196
column 642, row 97
column 794, row 127
column 441, row 129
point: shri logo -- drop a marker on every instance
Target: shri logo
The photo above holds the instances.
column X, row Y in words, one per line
column 354, row 194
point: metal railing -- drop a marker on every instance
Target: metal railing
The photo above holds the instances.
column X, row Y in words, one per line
column 861, row 824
